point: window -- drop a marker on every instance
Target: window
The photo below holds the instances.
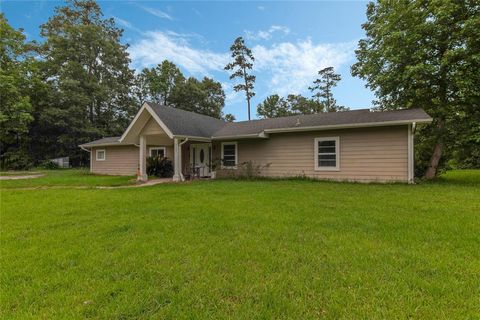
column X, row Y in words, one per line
column 158, row 152
column 229, row 154
column 100, row 154
column 327, row 153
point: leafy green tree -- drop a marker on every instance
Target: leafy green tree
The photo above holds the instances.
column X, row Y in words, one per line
column 15, row 111
column 426, row 54
column 88, row 68
column 160, row 82
column 274, row 106
column 229, row 117
column 204, row 97
column 322, row 88
column 140, row 89
column 302, row 105
column 240, row 67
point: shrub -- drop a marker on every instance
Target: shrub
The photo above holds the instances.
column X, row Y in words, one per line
column 159, row 167
column 16, row 160
column 50, row 165
column 247, row 170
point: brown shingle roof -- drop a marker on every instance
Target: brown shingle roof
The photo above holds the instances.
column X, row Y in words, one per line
column 325, row 120
column 185, row 123
column 110, row 141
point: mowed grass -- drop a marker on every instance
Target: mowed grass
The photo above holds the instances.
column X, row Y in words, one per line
column 64, row 178
column 244, row 250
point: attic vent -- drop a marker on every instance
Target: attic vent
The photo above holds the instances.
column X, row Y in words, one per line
column 298, row 122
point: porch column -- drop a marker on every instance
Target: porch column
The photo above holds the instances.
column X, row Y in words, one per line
column 142, row 160
column 177, row 170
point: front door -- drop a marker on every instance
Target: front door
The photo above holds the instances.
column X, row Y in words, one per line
column 200, row 158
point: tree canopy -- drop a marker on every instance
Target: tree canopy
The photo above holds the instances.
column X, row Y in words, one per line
column 275, row 106
column 16, row 109
column 87, row 80
column 426, row 54
column 165, row 84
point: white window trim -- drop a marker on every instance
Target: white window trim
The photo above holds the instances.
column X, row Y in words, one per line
column 236, row 155
column 157, row 148
column 337, row 153
column 104, row 154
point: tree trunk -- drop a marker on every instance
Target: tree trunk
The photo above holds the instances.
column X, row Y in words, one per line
column 434, row 160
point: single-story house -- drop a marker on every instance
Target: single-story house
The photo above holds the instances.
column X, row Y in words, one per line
column 357, row 145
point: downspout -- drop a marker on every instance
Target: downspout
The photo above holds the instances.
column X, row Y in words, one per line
column 411, row 156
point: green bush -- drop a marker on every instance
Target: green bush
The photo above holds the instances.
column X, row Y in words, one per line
column 159, row 167
column 16, row 160
column 50, row 165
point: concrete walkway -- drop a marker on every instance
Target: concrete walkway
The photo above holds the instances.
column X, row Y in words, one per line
column 138, row 185
column 151, row 182
column 14, row 177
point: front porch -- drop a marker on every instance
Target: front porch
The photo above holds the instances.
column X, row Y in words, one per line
column 190, row 157
column 184, row 141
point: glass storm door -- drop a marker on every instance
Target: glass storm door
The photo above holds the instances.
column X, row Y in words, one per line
column 200, row 158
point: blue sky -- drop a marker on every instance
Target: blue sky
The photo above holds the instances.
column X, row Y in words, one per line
column 291, row 41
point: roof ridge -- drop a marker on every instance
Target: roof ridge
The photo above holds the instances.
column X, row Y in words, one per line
column 304, row 115
column 184, row 111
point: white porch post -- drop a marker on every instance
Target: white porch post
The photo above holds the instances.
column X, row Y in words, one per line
column 177, row 171
column 142, row 160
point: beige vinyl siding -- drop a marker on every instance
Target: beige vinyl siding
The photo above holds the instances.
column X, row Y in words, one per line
column 119, row 160
column 368, row 154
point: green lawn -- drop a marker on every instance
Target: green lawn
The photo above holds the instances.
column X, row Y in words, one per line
column 243, row 250
column 63, row 178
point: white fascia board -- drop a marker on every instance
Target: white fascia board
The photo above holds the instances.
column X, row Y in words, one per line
column 159, row 121
column 347, row 126
column 133, row 121
column 261, row 135
column 205, row 139
column 154, row 115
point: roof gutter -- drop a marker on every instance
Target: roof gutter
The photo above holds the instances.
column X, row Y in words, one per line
column 84, row 149
column 105, row 145
column 206, row 139
column 348, row 126
column 261, row 135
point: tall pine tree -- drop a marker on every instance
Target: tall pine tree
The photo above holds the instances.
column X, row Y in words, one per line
column 323, row 86
column 241, row 66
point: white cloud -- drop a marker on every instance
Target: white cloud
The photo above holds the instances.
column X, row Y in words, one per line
column 157, row 46
column 157, row 13
column 266, row 34
column 283, row 68
column 293, row 66
column 126, row 24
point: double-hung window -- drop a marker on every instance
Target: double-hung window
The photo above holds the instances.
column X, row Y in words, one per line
column 158, row 152
column 100, row 154
column 327, row 150
column 229, row 154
